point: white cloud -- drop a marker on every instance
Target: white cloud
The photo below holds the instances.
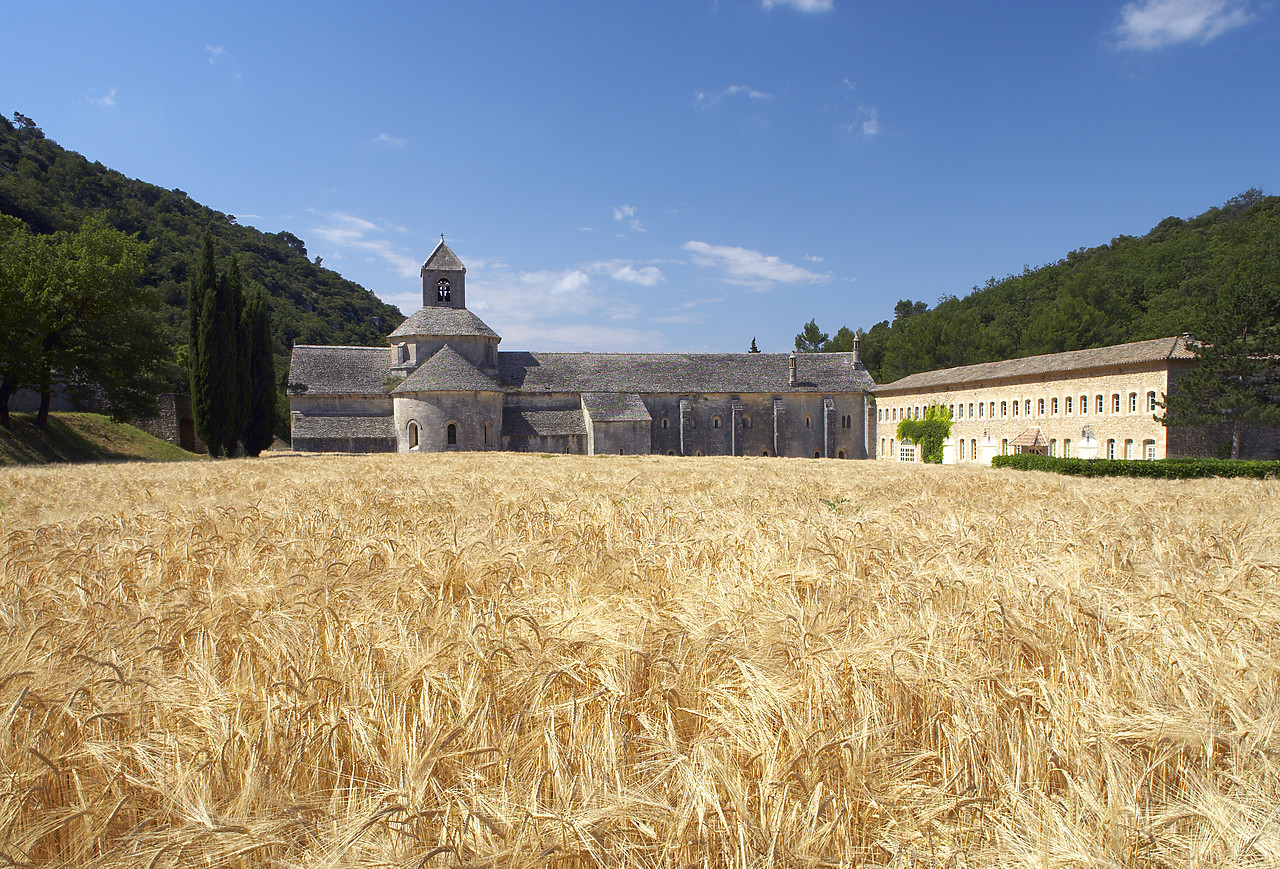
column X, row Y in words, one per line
column 107, row 100
column 802, row 5
column 706, row 98
column 348, row 233
column 388, row 139
column 1152, row 24
column 750, row 268
column 217, row 53
column 628, row 213
column 866, row 123
column 645, row 277
column 813, row 259
column 556, row 309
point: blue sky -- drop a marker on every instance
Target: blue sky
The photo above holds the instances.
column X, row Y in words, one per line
column 674, row 175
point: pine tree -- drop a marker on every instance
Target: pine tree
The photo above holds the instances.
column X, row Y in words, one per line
column 201, row 306
column 260, row 419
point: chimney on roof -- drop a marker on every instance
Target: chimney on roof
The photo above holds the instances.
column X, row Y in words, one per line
column 791, row 378
column 857, row 349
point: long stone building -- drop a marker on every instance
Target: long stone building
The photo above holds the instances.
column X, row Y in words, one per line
column 443, row 384
column 1099, row 403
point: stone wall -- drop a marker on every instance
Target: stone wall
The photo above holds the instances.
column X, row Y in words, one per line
column 705, row 425
column 476, row 417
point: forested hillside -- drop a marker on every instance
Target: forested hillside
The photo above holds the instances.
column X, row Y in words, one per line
column 1160, row 284
column 51, row 189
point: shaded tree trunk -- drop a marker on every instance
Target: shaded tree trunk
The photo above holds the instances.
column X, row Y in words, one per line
column 46, row 399
column 6, row 391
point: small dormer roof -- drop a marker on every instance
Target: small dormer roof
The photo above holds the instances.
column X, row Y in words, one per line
column 443, row 259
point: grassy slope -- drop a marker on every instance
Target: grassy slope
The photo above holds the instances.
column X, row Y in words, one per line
column 80, row 437
column 508, row 660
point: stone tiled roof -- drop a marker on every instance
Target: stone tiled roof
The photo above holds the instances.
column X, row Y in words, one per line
column 443, row 321
column 645, row 373
column 615, row 407
column 446, row 371
column 443, row 258
column 359, row 427
column 1155, row 350
column 517, row 422
column 316, row 370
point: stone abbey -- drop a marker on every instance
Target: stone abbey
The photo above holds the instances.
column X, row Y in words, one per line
column 443, row 384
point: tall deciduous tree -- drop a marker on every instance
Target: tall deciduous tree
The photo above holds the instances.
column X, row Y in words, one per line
column 261, row 413
column 76, row 318
column 1236, row 380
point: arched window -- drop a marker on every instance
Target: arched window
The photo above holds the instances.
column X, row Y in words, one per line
column 442, row 290
column 451, row 434
column 1111, row 449
column 1133, row 402
column 1149, row 450
column 962, row 449
column 840, row 455
column 1054, row 405
column 1151, row 402
column 1067, row 406
column 413, row 435
column 1004, row 408
column 1040, row 406
column 715, row 422
column 620, row 451
column 817, row 454
column 1115, row 402
column 1066, row 448
column 1028, row 413
column 746, row 420
column 764, row 452
column 1053, row 447
column 1128, row 446
column 1097, row 405
column 973, row 448
column 1004, row 447
column 1015, row 407
column 971, row 410
column 666, row 423
column 808, row 422
column 991, row 410
column 671, row 452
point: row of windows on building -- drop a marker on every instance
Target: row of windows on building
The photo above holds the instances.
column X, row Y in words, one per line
column 1113, row 449
column 1042, row 406
column 450, row 434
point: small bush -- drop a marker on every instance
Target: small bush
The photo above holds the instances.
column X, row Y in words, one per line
column 1162, row 469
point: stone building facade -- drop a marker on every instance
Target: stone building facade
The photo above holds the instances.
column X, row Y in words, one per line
column 1098, row 403
column 443, row 384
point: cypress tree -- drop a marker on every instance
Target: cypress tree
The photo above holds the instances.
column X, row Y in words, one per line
column 238, row 357
column 260, row 420
column 201, row 304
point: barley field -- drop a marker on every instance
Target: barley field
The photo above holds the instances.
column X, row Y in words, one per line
column 516, row 660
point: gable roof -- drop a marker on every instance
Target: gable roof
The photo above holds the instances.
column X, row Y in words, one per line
column 615, row 407
column 644, row 373
column 443, row 259
column 446, row 371
column 1155, row 350
column 443, row 321
column 317, row 370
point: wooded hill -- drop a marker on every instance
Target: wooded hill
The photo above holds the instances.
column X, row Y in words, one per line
column 52, row 189
column 1163, row 283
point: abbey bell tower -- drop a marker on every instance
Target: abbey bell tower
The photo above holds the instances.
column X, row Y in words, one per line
column 444, row 279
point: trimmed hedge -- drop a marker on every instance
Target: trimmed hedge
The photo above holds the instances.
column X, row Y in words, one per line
column 1163, row 469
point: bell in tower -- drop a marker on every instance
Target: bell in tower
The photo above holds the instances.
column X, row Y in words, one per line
column 444, row 279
